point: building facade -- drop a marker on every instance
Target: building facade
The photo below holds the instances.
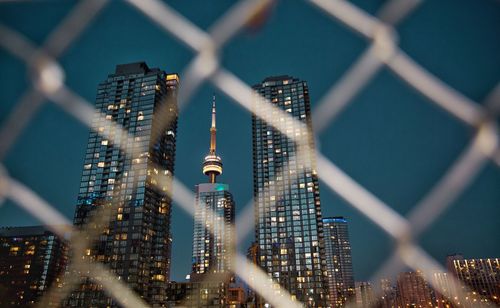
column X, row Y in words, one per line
column 444, row 290
column 364, row 295
column 213, row 236
column 414, row 291
column 388, row 291
column 481, row 278
column 32, row 259
column 136, row 243
column 338, row 257
column 206, row 294
column 288, row 226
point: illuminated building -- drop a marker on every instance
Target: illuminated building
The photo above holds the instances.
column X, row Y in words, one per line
column 253, row 299
column 443, row 290
column 481, row 276
column 364, row 295
column 206, row 294
column 31, row 260
column 414, row 291
column 236, row 297
column 213, row 237
column 388, row 299
column 338, row 261
column 136, row 243
column 288, row 226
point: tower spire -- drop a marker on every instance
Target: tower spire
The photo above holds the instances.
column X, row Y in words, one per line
column 212, row 166
column 213, row 129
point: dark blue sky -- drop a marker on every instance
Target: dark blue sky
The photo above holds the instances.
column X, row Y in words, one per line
column 390, row 139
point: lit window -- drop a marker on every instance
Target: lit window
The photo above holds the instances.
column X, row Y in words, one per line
column 104, row 142
column 100, row 164
column 159, row 277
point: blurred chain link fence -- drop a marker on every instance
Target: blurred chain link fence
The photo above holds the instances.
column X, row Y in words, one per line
column 47, row 85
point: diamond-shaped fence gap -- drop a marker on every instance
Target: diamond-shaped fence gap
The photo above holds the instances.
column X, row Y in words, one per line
column 37, row 27
column 471, row 216
column 418, row 149
column 473, row 70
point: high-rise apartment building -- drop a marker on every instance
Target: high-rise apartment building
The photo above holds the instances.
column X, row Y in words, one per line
column 364, row 295
column 481, row 277
column 213, row 237
column 31, row 260
column 444, row 290
column 338, row 257
column 388, row 299
column 414, row 291
column 136, row 243
column 288, row 226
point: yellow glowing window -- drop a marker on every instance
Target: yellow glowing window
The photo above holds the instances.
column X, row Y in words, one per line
column 173, row 77
column 119, row 217
column 87, row 252
column 14, row 248
column 159, row 277
column 104, row 142
column 100, row 164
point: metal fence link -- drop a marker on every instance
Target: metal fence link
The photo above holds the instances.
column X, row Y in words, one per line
column 47, row 84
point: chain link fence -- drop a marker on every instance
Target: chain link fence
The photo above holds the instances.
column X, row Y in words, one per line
column 47, row 86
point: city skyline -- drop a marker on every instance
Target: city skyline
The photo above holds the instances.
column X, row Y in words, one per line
column 21, row 163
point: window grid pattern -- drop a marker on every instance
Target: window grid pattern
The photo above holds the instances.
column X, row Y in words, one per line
column 213, row 233
column 338, row 261
column 288, row 223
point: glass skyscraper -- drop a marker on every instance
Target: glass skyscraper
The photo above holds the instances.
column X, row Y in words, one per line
column 136, row 243
column 288, row 226
column 213, row 237
column 341, row 286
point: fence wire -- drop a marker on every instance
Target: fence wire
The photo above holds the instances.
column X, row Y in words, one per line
column 47, row 86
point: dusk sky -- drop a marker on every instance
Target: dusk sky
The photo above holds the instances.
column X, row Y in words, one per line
column 390, row 139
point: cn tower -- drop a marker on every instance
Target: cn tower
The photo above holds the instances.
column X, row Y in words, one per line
column 212, row 166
